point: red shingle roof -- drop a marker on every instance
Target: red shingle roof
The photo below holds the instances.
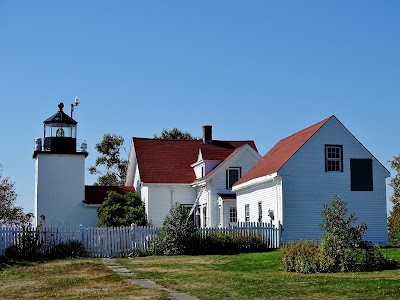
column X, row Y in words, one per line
column 168, row 161
column 96, row 194
column 281, row 153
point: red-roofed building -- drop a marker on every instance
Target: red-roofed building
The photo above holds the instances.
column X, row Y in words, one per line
column 191, row 172
column 304, row 171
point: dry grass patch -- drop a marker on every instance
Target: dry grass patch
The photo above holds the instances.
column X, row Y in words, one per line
column 69, row 279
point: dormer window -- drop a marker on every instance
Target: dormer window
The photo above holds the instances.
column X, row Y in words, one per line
column 232, row 175
column 333, row 158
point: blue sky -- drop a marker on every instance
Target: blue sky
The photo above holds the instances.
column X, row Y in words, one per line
column 258, row 70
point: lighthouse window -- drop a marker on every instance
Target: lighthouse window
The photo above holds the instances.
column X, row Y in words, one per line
column 60, row 130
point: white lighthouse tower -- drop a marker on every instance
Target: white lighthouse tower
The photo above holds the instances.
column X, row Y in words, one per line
column 60, row 174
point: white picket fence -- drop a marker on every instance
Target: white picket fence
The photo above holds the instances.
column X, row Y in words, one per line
column 269, row 233
column 118, row 241
column 123, row 241
column 97, row 241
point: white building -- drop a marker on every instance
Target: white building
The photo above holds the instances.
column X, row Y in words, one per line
column 195, row 173
column 60, row 175
column 300, row 173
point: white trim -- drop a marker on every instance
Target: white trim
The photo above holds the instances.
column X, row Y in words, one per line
column 221, row 167
column 165, row 184
column 197, row 163
column 255, row 181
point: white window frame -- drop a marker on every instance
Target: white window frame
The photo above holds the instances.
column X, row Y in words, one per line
column 232, row 214
column 204, row 215
column 247, row 213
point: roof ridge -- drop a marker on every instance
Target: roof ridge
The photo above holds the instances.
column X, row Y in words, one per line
column 307, row 128
column 197, row 140
column 282, row 152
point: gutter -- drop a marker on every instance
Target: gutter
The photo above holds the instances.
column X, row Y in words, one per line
column 254, row 182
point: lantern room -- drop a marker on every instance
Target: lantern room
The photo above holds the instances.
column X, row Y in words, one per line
column 60, row 133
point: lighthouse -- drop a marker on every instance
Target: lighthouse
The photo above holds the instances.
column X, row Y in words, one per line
column 60, row 174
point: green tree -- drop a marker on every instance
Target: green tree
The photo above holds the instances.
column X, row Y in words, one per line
column 340, row 238
column 9, row 213
column 339, row 227
column 175, row 134
column 394, row 217
column 110, row 165
column 121, row 210
column 176, row 233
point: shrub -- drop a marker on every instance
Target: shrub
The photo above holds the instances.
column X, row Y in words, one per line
column 26, row 244
column 33, row 244
column 301, row 257
column 65, row 249
column 121, row 210
column 176, row 235
column 219, row 243
column 341, row 248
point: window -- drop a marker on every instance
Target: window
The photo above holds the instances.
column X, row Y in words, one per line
column 333, row 158
column 361, row 175
column 204, row 216
column 232, row 215
column 188, row 207
column 260, row 218
column 232, row 175
column 247, row 213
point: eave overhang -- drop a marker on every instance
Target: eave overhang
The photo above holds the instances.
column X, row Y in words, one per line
column 255, row 181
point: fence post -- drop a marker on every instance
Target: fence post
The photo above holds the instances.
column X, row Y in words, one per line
column 82, row 238
column 134, row 236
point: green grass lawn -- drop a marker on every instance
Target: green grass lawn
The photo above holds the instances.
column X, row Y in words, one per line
column 259, row 276
column 245, row 276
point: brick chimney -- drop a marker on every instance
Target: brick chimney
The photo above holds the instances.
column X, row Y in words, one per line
column 207, row 134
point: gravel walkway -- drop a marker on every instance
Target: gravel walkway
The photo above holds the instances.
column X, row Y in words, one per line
column 113, row 265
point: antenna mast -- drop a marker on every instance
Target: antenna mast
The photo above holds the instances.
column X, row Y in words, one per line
column 76, row 103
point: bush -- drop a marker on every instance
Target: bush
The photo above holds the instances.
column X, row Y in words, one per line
column 26, row 245
column 301, row 257
column 341, row 248
column 65, row 249
column 33, row 244
column 219, row 243
column 176, row 235
column 121, row 210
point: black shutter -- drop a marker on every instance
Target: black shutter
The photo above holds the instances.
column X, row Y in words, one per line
column 361, row 175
